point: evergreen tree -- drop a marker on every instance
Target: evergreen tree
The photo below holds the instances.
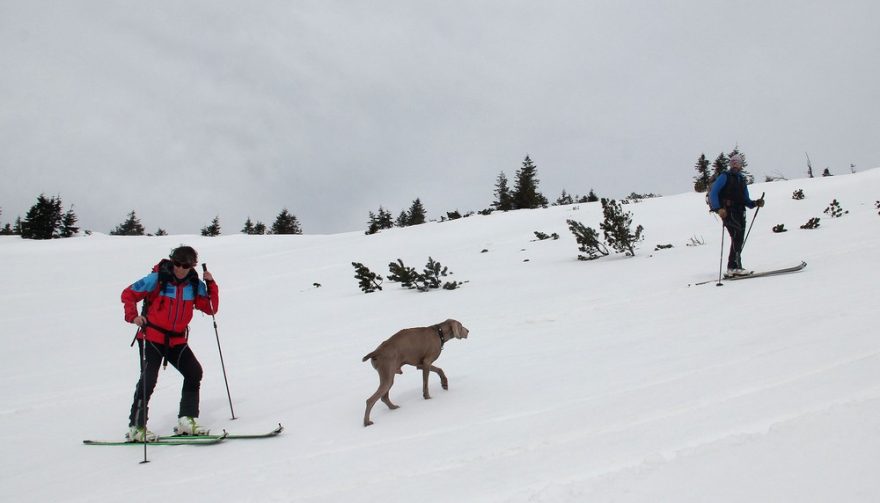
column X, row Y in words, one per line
column 372, row 224
column 405, row 275
column 131, row 227
column 564, row 198
column 286, row 223
column 503, row 198
column 402, row 219
column 212, row 230
column 16, row 229
column 7, row 229
column 416, row 213
column 718, row 167
column 432, row 275
column 161, row 232
column 381, row 221
column 525, row 190
column 701, row 181
column 616, row 228
column 251, row 228
column 592, row 197
column 368, row 281
column 588, row 241
column 385, row 220
column 43, row 219
column 68, row 224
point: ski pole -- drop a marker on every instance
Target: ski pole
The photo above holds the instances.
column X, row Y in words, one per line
column 143, row 405
column 753, row 222
column 721, row 258
column 219, row 349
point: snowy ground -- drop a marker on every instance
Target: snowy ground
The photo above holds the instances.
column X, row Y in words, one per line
column 611, row 380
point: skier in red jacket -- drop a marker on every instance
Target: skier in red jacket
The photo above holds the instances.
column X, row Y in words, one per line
column 170, row 294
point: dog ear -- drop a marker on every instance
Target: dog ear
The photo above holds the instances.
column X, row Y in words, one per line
column 456, row 328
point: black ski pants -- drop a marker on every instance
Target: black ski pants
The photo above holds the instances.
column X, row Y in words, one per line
column 183, row 359
column 735, row 223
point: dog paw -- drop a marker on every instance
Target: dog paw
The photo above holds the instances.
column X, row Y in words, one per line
column 367, row 423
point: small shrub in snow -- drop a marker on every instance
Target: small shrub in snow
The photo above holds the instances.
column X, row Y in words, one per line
column 834, row 209
column 696, row 241
column 431, row 276
column 812, row 223
column 779, row 228
column 798, row 194
column 588, row 241
column 368, row 281
column 616, row 228
column 402, row 274
column 541, row 236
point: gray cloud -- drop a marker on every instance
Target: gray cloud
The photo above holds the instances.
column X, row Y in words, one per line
column 184, row 111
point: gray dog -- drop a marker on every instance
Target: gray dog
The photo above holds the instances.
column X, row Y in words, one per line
column 419, row 347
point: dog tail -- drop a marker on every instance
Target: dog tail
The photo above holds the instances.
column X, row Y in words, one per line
column 371, row 355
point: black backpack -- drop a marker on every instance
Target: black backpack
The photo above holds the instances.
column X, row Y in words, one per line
column 166, row 275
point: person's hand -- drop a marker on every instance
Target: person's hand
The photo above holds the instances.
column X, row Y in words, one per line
column 208, row 276
column 722, row 212
column 759, row 203
column 139, row 321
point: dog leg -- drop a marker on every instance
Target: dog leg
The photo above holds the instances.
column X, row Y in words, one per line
column 426, row 372
column 387, row 401
column 443, row 381
column 386, row 379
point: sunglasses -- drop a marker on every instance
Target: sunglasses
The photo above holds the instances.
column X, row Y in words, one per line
column 182, row 265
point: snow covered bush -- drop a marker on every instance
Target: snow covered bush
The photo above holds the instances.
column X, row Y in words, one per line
column 834, row 209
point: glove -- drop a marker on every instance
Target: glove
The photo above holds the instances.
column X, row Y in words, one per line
column 759, row 203
column 722, row 212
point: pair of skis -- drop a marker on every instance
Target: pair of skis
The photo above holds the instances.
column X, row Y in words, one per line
column 191, row 439
column 758, row 274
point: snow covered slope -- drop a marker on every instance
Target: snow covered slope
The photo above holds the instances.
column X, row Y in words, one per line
column 580, row 381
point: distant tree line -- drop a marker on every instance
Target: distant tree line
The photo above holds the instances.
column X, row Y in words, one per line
column 46, row 219
column 523, row 195
column 415, row 215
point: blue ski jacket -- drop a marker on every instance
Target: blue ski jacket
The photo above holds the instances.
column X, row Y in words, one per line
column 730, row 190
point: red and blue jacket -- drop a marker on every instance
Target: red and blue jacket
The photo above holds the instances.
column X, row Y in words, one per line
column 169, row 311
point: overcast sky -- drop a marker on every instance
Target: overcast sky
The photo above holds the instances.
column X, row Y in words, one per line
column 182, row 111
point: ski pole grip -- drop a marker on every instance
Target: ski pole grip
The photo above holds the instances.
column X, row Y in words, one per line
column 205, row 266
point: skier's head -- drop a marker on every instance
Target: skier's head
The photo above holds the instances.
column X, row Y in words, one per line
column 736, row 162
column 184, row 256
